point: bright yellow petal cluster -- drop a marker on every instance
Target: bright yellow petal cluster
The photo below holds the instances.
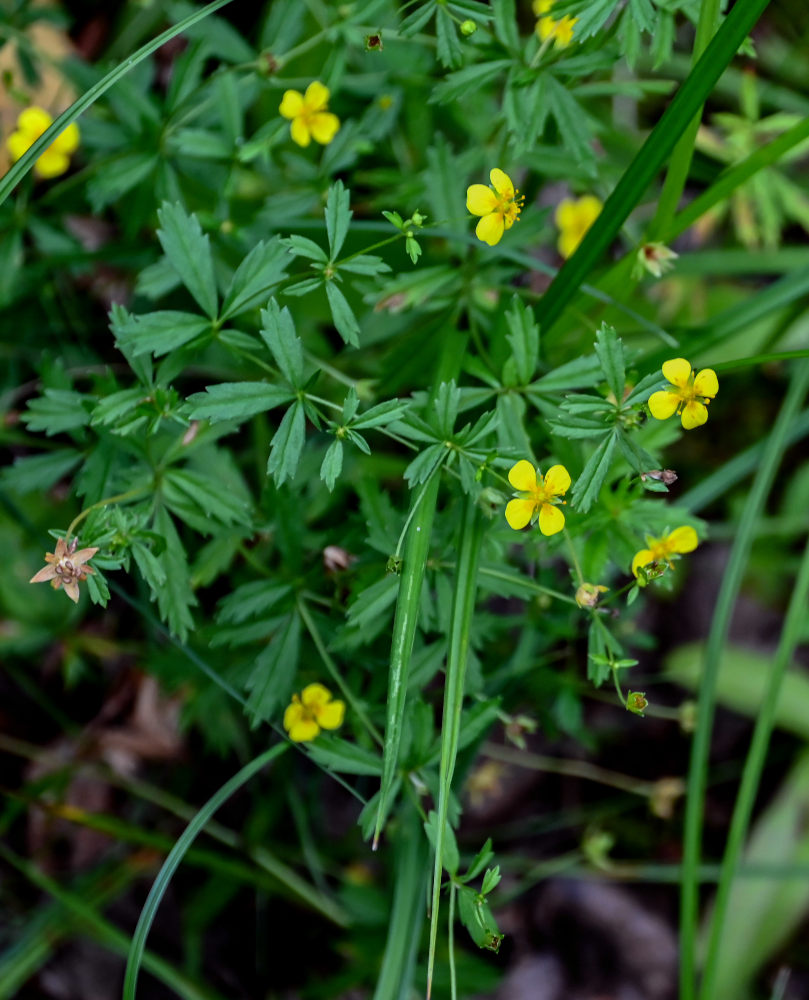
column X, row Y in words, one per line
column 688, row 394
column 560, row 31
column 30, row 126
column 309, row 115
column 314, row 710
column 661, row 550
column 574, row 217
column 537, row 493
column 499, row 206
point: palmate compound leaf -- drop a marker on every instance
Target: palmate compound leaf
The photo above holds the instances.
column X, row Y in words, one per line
column 189, row 252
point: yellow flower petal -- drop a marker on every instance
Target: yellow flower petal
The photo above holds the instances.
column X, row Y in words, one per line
column 663, row 404
column 324, row 127
column 568, row 243
column 501, row 182
column 315, row 695
column 642, row 558
column 557, row 480
column 519, row 513
column 292, row 715
column 316, row 97
column 589, row 208
column 67, row 141
column 51, row 164
column 523, row 476
column 33, row 122
column 291, row 104
column 480, row 200
column 706, row 383
column 299, row 131
column 303, row 731
column 682, row 540
column 566, row 214
column 541, row 6
column 677, row 371
column 551, row 519
column 17, row 144
column 331, row 716
column 490, row 228
column 694, row 415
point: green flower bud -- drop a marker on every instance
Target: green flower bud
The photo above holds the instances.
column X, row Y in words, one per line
column 468, row 28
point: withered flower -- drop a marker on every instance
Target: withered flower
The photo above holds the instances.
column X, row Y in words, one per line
column 66, row 568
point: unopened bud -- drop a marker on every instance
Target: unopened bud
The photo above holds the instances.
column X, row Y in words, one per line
column 636, row 702
column 468, row 28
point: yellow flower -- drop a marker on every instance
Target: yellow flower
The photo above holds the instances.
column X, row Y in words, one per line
column 662, row 550
column 314, row 710
column 688, row 394
column 66, row 568
column 308, row 114
column 56, row 159
column 574, row 218
column 560, row 31
column 537, row 493
column 499, row 208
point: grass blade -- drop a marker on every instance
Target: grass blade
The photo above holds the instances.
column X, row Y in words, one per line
column 731, row 584
column 172, row 862
column 463, row 608
column 649, row 159
column 78, row 107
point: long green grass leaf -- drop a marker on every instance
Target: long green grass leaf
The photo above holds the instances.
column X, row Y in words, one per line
column 731, row 584
column 649, row 159
column 172, row 862
column 79, row 106
column 463, row 608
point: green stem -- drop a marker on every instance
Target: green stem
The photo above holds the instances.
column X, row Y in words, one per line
column 680, row 162
column 118, row 498
column 790, row 636
column 731, row 584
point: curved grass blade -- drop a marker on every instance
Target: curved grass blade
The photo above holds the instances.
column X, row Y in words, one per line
column 78, row 107
column 650, row 158
column 463, row 608
column 753, row 767
column 731, row 584
column 414, row 562
column 172, row 862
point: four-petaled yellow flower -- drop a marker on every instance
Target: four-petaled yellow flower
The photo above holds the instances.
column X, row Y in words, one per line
column 499, row 208
column 574, row 217
column 66, row 568
column 688, row 393
column 309, row 115
column 314, row 710
column 537, row 493
column 56, row 159
column 560, row 31
column 662, row 550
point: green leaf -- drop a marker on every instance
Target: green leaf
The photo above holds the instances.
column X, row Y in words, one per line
column 381, row 415
column 468, row 80
column 237, row 400
column 118, row 176
column 338, row 216
column 278, row 333
column 589, row 483
column 271, row 681
column 174, row 597
column 251, row 600
column 573, row 122
column 158, row 332
column 416, row 20
column 339, row 755
column 39, row 472
column 262, row 268
column 209, row 496
column 447, row 401
column 300, row 246
column 505, row 25
column 287, row 444
column 189, row 251
column 477, row 918
column 332, row 464
column 57, row 410
column 451, row 857
column 366, row 264
column 372, row 603
column 449, row 48
column 609, row 349
column 151, row 569
column 523, row 338
column 344, row 319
